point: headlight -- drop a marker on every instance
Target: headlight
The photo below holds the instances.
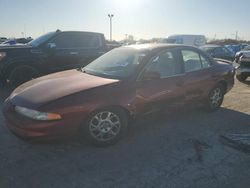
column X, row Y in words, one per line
column 36, row 115
column 2, row 55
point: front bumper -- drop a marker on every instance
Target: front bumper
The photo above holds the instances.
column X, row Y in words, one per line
column 28, row 128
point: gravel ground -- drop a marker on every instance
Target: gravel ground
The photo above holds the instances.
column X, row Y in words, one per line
column 175, row 150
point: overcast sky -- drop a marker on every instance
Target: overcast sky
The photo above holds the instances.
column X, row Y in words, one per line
column 141, row 18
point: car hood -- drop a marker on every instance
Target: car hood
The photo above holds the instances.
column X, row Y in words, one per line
column 42, row 90
column 14, row 46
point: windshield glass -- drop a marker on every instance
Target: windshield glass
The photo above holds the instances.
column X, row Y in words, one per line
column 119, row 63
column 36, row 42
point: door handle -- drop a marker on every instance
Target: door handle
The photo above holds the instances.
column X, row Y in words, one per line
column 74, row 53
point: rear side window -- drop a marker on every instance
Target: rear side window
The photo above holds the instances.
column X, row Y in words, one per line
column 205, row 62
column 76, row 40
column 194, row 61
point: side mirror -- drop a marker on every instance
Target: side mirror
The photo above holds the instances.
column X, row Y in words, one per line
column 151, row 75
column 51, row 46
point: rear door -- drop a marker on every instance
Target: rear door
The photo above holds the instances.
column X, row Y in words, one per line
column 198, row 74
column 155, row 94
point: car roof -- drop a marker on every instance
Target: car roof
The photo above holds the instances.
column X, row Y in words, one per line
column 211, row 46
column 87, row 32
column 185, row 35
column 155, row 46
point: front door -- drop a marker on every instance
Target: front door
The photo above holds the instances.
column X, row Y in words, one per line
column 159, row 92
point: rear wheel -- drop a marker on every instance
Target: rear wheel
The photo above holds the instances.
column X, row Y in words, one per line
column 105, row 126
column 22, row 74
column 215, row 98
column 241, row 77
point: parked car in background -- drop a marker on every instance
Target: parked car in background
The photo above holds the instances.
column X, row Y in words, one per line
column 246, row 48
column 52, row 52
column 3, row 39
column 234, row 47
column 23, row 40
column 128, row 82
column 16, row 41
column 112, row 44
column 192, row 40
column 244, row 53
column 242, row 61
column 217, row 51
column 8, row 42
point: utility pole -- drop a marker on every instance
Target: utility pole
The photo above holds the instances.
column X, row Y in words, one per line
column 24, row 31
column 110, row 24
column 236, row 35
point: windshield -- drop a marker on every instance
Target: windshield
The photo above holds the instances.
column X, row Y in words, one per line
column 119, row 63
column 36, row 42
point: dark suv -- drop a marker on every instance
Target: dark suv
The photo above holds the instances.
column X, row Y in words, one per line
column 52, row 52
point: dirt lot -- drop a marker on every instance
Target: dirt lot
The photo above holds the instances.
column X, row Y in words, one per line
column 176, row 150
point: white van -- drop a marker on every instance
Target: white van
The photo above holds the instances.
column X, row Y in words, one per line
column 192, row 40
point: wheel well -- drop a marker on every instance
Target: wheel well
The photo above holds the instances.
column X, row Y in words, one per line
column 126, row 111
column 224, row 84
column 117, row 107
column 13, row 66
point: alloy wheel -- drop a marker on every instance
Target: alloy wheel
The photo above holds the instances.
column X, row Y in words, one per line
column 216, row 97
column 105, row 126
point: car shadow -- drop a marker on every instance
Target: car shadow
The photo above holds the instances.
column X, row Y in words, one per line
column 188, row 114
column 166, row 123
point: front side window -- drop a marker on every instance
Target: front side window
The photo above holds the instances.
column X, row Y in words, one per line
column 194, row 61
column 76, row 40
column 164, row 64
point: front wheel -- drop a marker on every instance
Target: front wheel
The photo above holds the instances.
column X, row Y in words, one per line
column 215, row 98
column 105, row 126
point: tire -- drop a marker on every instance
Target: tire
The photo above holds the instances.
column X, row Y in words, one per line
column 105, row 127
column 22, row 74
column 241, row 77
column 215, row 98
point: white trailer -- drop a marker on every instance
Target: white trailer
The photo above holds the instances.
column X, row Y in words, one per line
column 192, row 40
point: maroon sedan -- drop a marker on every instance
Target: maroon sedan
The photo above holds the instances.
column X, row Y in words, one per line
column 100, row 99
